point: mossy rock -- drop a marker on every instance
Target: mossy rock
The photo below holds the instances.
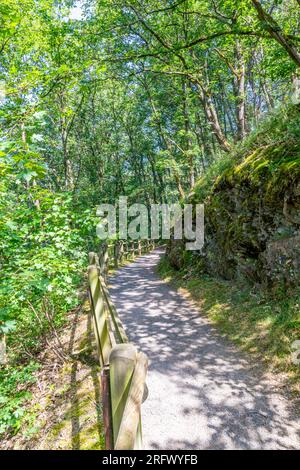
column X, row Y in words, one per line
column 252, row 207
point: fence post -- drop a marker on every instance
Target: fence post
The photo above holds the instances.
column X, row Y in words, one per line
column 139, row 247
column 125, row 250
column 121, row 251
column 122, row 363
column 107, row 418
column 103, row 261
column 130, row 434
column 116, row 253
column 91, row 258
column 133, row 249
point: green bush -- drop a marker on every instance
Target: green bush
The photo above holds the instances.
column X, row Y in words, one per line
column 43, row 255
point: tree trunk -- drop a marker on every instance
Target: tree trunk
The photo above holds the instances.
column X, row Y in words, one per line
column 3, row 355
column 69, row 176
column 239, row 81
column 276, row 32
column 213, row 120
column 25, row 145
column 164, row 141
column 187, row 134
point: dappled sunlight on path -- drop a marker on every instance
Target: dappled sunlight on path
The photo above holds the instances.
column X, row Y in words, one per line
column 203, row 393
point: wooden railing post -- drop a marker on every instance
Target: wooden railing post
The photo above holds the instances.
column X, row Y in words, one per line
column 121, row 249
column 116, row 253
column 122, row 363
column 91, row 258
column 132, row 249
column 94, row 259
column 103, row 261
column 106, row 403
column 139, row 247
column 130, row 433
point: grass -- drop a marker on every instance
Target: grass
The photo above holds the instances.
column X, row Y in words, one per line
column 264, row 325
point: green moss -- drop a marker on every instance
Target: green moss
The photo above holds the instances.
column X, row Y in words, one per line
column 77, row 428
column 269, row 157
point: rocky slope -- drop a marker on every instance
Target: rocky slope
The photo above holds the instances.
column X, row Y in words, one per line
column 252, row 208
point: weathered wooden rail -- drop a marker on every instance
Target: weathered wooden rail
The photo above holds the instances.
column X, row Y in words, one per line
column 123, row 368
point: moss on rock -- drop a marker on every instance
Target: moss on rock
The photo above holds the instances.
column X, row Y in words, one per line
column 252, row 207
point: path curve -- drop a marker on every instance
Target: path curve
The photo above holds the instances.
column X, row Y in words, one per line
column 203, row 393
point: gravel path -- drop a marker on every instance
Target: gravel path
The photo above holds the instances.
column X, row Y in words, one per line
column 203, row 393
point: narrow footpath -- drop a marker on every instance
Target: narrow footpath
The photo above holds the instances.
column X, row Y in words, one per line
column 203, row 392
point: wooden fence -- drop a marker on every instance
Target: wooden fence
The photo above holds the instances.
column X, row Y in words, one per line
column 123, row 367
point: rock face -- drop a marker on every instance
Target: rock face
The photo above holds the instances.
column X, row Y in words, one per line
column 252, row 218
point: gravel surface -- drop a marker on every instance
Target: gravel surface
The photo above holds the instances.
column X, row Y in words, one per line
column 203, row 392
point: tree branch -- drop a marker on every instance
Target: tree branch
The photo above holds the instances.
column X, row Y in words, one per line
column 276, row 32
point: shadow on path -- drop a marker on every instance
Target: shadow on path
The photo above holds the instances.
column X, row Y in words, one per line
column 203, row 393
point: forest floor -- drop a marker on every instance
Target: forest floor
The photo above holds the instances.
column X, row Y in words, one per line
column 204, row 393
column 65, row 407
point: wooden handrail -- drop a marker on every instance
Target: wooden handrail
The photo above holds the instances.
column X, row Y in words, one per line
column 130, row 427
column 123, row 367
column 100, row 320
column 118, row 327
